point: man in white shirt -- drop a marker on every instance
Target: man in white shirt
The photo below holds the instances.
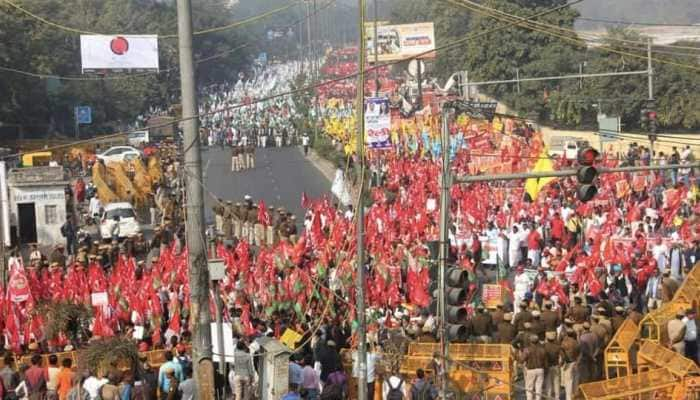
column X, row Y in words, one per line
column 305, row 143
column 92, row 386
column 372, row 359
column 95, row 207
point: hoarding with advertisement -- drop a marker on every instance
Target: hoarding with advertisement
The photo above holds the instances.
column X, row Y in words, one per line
column 119, row 53
column 377, row 123
column 398, row 42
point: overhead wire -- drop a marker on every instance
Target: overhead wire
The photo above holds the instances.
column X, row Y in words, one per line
column 531, row 25
column 78, row 31
column 643, row 23
column 453, row 44
column 162, row 71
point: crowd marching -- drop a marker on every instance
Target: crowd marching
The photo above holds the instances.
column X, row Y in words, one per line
column 573, row 271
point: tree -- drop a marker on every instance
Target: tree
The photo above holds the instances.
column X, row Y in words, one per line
column 47, row 105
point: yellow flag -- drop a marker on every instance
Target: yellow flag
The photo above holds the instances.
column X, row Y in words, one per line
column 534, row 185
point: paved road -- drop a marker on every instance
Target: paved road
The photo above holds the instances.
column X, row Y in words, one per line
column 279, row 178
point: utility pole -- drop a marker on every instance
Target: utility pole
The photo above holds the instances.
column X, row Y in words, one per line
column 200, row 319
column 360, row 285
column 650, row 80
column 444, row 245
column 309, row 52
column 375, row 41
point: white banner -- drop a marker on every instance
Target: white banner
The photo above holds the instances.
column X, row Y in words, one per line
column 118, row 52
column 377, row 123
column 398, row 42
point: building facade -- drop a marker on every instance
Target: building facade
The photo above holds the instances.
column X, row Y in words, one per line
column 37, row 205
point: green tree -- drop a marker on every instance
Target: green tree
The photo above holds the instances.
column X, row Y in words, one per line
column 30, row 45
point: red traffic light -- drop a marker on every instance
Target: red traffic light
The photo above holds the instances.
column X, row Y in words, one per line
column 652, row 115
column 588, row 156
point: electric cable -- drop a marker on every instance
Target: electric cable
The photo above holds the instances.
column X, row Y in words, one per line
column 455, row 43
column 643, row 23
column 493, row 13
column 153, row 73
column 69, row 29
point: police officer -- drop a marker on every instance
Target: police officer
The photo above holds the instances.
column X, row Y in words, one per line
column 505, row 330
column 552, row 380
column 550, row 318
column 534, row 358
column 522, row 317
column 481, row 325
column 571, row 353
column 537, row 325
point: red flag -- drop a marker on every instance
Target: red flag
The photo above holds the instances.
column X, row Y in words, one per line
column 304, row 200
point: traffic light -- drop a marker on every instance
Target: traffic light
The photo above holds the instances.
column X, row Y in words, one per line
column 644, row 118
column 455, row 295
column 586, row 174
column 653, row 123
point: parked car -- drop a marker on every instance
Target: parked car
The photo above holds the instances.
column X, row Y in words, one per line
column 122, row 214
column 138, row 138
column 118, row 154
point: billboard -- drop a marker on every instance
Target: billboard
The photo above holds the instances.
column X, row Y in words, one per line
column 119, row 52
column 398, row 42
column 377, row 123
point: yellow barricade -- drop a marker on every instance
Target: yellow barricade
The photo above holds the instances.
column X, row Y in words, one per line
column 653, row 326
column 619, row 355
column 475, row 368
column 653, row 384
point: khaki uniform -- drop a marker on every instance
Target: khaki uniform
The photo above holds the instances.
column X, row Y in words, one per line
column 669, row 287
column 482, row 327
column 521, row 318
column 676, row 334
column 569, row 370
column 505, row 332
column 219, row 217
column 237, row 221
column 235, row 166
column 250, row 156
column 535, row 360
column 226, row 225
column 550, row 319
column 552, row 379
column 251, row 218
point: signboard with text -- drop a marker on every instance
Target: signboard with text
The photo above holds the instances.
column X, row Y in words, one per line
column 399, row 42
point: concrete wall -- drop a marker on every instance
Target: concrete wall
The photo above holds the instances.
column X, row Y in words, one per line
column 48, row 234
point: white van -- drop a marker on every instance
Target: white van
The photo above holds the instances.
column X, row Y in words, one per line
column 137, row 138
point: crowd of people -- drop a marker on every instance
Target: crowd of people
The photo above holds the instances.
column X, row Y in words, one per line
column 572, row 271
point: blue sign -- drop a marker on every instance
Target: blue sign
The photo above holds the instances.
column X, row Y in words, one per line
column 83, row 115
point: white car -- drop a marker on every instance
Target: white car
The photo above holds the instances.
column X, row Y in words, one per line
column 119, row 153
column 121, row 215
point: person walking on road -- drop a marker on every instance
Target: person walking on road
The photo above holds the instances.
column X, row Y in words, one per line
column 305, row 143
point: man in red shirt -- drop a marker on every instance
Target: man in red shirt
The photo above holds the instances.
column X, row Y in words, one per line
column 534, row 246
column 557, row 228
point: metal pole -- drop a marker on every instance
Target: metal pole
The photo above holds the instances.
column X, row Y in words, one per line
column 301, row 43
column 650, row 83
column 517, row 77
column 468, row 91
column 565, row 173
column 580, row 72
column 220, row 329
column 376, row 51
column 309, row 53
column 361, row 329
column 198, row 269
column 419, row 76
column 444, row 249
